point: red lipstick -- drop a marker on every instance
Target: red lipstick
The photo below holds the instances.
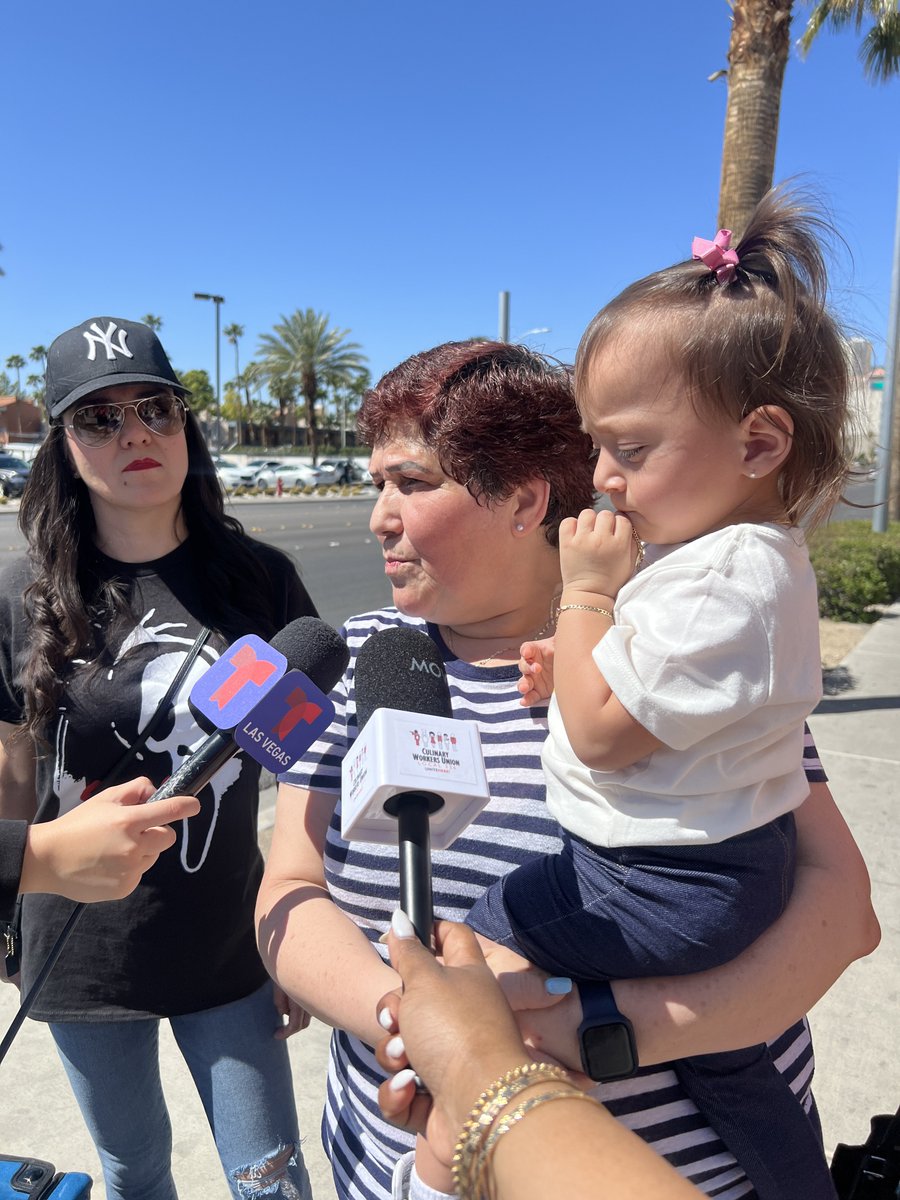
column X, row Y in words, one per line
column 142, row 464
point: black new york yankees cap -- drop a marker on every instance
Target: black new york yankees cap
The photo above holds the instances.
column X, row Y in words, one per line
column 101, row 352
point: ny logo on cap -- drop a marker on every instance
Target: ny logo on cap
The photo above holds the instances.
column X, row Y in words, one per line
column 98, row 337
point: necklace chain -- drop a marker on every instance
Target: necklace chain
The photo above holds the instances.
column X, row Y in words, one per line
column 548, row 625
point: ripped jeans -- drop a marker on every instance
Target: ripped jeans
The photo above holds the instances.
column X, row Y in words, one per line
column 243, row 1077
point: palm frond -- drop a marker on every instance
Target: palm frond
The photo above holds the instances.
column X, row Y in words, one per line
column 880, row 49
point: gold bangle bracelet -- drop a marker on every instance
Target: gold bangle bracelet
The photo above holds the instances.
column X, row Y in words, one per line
column 492, row 1101
column 604, row 612
column 504, row 1124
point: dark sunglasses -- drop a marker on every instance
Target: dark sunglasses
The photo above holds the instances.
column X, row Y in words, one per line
column 97, row 424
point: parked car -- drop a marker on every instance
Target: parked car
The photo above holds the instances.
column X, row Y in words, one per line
column 12, row 484
column 293, row 474
column 253, row 467
column 343, row 470
column 230, row 474
column 23, row 450
column 13, row 475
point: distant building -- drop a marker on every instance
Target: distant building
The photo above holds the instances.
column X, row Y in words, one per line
column 866, row 388
column 20, row 420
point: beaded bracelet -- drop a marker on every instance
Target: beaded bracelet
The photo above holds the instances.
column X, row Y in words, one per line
column 487, row 1108
column 507, row 1121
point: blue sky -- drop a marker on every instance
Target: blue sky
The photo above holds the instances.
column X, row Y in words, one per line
column 395, row 164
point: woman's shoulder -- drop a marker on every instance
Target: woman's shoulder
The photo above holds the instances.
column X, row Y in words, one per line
column 284, row 580
column 274, row 560
column 363, row 625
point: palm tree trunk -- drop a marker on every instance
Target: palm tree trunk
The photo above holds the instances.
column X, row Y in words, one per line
column 312, row 428
column 757, row 57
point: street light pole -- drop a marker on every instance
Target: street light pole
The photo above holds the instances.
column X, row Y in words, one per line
column 882, row 497
column 218, row 301
column 503, row 318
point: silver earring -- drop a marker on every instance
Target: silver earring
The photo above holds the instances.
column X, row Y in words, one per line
column 752, row 474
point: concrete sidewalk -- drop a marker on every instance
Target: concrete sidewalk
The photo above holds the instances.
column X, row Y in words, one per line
column 857, row 728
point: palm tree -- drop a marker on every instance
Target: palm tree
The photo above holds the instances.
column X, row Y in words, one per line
column 234, row 333
column 757, row 57
column 16, row 362
column 39, row 354
column 304, row 350
column 36, row 384
column 155, row 323
column 259, row 411
column 347, row 397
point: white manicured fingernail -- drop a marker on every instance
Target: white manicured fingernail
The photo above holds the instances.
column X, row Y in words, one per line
column 401, row 924
column 386, row 1021
column 395, row 1047
column 402, row 1079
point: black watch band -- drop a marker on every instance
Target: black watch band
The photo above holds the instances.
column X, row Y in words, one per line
column 606, row 1037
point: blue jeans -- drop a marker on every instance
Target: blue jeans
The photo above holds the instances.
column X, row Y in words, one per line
column 243, row 1077
column 633, row 911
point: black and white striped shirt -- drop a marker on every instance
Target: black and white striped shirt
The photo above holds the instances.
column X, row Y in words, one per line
column 363, row 881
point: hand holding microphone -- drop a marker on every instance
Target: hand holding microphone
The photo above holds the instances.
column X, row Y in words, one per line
column 100, row 850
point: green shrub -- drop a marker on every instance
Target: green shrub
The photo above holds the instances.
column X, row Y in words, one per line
column 855, row 568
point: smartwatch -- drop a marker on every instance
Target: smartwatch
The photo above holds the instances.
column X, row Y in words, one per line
column 606, row 1037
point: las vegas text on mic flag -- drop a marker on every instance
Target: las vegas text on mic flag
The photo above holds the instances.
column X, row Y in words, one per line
column 267, row 699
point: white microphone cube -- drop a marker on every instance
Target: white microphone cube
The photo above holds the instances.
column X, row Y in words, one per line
column 412, row 752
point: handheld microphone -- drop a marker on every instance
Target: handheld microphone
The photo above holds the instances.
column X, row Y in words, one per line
column 268, row 699
column 415, row 772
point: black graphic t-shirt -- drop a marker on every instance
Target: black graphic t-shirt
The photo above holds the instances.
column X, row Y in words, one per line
column 184, row 940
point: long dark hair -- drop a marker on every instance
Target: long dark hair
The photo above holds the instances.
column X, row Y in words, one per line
column 68, row 596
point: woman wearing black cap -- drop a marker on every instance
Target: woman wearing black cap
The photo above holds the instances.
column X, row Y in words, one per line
column 135, row 578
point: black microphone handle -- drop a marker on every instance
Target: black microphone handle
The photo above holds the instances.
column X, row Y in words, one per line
column 198, row 768
column 413, row 810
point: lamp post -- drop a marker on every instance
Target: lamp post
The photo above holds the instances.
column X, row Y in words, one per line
column 880, row 513
column 218, row 301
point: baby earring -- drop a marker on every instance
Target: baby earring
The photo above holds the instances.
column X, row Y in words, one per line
column 520, row 528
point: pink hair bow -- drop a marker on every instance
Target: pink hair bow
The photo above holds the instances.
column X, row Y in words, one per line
column 717, row 255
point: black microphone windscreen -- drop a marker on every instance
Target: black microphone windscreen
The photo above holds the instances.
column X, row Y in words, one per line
column 402, row 669
column 311, row 646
